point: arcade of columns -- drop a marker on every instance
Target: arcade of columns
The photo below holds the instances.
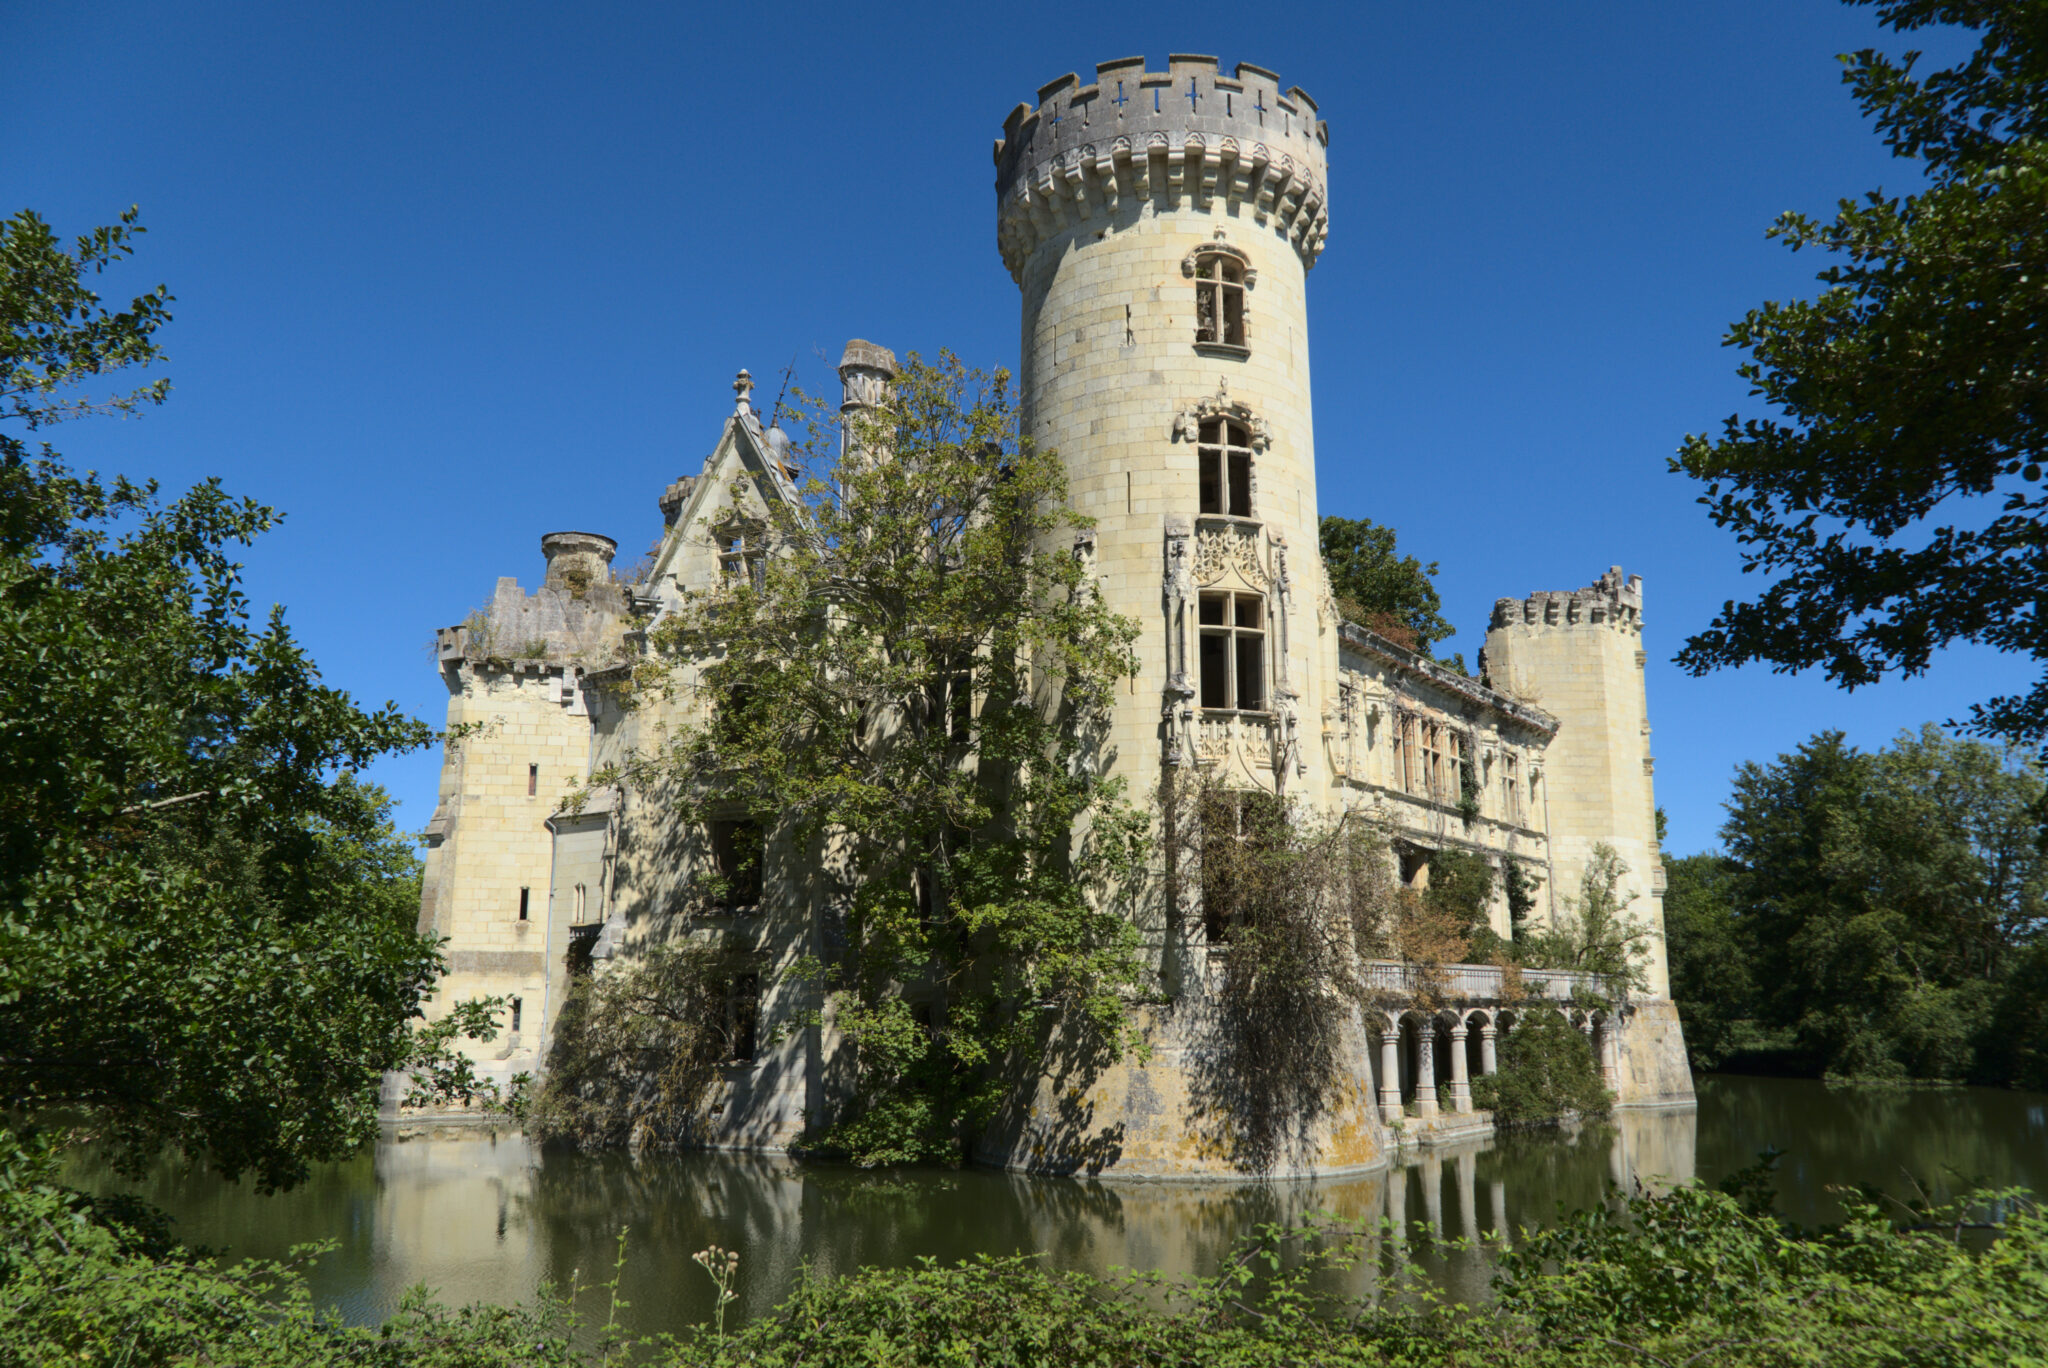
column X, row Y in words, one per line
column 1409, row 1073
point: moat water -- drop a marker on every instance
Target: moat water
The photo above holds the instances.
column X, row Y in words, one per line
column 483, row 1219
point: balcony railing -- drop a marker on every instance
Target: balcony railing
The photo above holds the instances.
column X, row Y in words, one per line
column 1478, row 982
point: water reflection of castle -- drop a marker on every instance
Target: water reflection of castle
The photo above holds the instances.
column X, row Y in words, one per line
column 492, row 1221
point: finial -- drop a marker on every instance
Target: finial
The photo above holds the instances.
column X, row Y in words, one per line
column 742, row 386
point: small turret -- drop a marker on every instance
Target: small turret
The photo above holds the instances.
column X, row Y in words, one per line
column 865, row 372
column 578, row 561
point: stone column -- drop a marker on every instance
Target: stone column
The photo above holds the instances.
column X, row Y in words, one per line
column 1489, row 1060
column 1390, row 1071
column 1433, row 1191
column 1500, row 1211
column 1425, row 1067
column 1397, row 1202
column 1468, row 1195
column 1461, row 1085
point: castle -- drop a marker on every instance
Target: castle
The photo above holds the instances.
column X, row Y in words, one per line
column 1161, row 227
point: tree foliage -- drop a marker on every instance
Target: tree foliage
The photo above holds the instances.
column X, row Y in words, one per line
column 204, row 936
column 1897, row 503
column 1293, row 902
column 1379, row 588
column 1710, row 955
column 1596, row 934
column 1546, row 1070
column 1878, row 905
column 918, row 683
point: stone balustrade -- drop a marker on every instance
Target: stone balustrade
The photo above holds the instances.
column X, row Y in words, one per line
column 1481, row 982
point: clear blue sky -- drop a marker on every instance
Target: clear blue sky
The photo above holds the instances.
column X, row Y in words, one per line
column 453, row 275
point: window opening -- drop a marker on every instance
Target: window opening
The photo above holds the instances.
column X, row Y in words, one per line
column 1433, row 759
column 517, row 1005
column 1238, row 830
column 1510, row 788
column 742, row 1017
column 579, row 903
column 1219, row 299
column 1226, row 468
column 1233, row 651
column 1414, row 867
column 525, row 894
column 532, row 780
column 739, row 559
column 736, row 854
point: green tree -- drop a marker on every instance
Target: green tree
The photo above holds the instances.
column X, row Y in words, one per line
column 1379, row 588
column 1886, row 895
column 1710, row 954
column 203, row 937
column 918, row 682
column 1595, row 933
column 1897, row 503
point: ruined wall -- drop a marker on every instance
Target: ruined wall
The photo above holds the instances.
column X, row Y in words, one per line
column 519, row 722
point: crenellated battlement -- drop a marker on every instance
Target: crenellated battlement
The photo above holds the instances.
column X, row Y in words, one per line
column 1187, row 132
column 1614, row 600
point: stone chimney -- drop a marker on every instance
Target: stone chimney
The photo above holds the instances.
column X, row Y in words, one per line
column 578, row 561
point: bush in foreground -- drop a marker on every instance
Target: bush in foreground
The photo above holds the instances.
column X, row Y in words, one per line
column 1694, row 1276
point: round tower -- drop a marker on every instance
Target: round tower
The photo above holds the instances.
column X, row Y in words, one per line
column 1161, row 226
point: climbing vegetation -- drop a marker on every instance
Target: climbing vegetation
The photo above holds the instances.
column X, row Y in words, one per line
column 635, row 1052
column 915, row 683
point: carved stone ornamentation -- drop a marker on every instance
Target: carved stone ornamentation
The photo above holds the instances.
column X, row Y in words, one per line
column 1219, row 247
column 1177, row 706
column 1222, row 547
column 1187, row 424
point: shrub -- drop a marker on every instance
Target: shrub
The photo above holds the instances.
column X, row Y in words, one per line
column 1546, row 1069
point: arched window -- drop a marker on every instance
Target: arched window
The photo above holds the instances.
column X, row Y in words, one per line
column 1226, row 463
column 1219, row 299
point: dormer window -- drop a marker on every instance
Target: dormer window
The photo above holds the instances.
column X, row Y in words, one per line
column 739, row 559
column 1219, row 299
column 1226, row 468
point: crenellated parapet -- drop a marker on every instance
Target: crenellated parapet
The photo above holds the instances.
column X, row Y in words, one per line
column 1189, row 132
column 1614, row 600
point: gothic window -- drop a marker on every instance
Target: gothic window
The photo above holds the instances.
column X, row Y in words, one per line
column 1233, row 628
column 1219, row 299
column 1226, row 460
column 739, row 558
column 736, row 848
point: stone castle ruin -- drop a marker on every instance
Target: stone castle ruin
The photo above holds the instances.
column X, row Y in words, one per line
column 1160, row 226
